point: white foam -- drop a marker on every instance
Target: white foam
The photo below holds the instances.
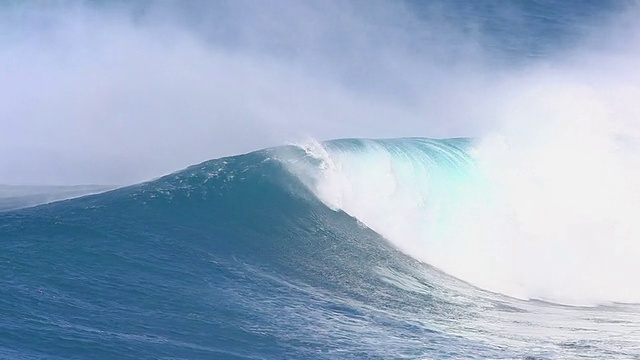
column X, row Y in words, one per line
column 552, row 220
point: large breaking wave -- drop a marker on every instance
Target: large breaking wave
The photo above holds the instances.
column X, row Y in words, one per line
column 236, row 258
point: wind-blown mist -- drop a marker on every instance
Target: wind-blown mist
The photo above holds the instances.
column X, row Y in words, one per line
column 98, row 95
column 119, row 93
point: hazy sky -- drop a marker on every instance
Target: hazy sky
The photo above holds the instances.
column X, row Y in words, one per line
column 120, row 92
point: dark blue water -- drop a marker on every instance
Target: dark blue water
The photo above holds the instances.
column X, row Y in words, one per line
column 236, row 259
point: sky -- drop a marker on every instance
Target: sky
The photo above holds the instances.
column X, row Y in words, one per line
column 121, row 92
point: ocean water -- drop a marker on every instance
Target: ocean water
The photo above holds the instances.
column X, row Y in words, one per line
column 518, row 243
column 239, row 258
column 14, row 197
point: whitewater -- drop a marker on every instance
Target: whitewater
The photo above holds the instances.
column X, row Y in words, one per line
column 558, row 227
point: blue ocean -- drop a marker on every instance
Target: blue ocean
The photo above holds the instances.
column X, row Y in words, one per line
column 517, row 245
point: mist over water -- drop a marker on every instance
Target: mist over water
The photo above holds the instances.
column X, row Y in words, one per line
column 104, row 92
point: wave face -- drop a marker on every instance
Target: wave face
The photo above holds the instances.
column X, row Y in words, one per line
column 281, row 254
